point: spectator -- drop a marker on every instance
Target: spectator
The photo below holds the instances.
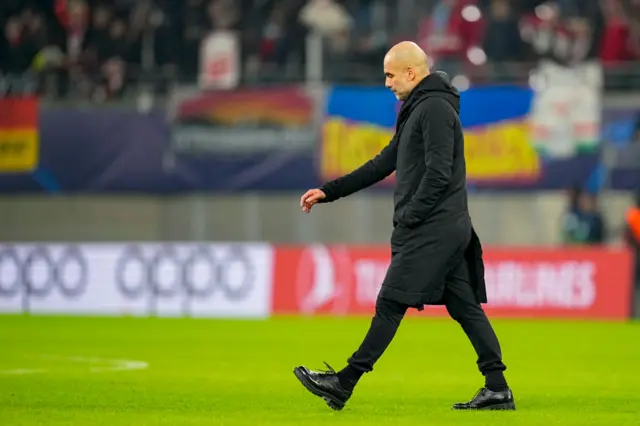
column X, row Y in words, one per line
column 114, row 56
column 446, row 35
column 194, row 29
column 19, row 49
column 615, row 43
column 74, row 19
column 502, row 41
column 583, row 223
column 370, row 33
column 632, row 237
column 632, row 11
column 273, row 44
column 98, row 37
column 330, row 19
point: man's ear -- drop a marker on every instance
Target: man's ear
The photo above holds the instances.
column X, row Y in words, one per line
column 411, row 74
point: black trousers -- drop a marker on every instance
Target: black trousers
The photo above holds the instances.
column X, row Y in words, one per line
column 462, row 307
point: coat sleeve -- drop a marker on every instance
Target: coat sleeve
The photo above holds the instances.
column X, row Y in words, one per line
column 371, row 172
column 438, row 138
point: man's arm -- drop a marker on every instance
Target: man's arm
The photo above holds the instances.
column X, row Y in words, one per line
column 438, row 138
column 373, row 171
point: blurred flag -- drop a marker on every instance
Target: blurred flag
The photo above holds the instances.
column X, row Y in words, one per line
column 18, row 135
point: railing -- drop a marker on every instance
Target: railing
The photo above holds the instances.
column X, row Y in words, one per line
column 317, row 67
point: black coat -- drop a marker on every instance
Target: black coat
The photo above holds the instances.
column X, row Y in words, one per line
column 432, row 230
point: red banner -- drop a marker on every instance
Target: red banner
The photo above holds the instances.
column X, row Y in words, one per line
column 591, row 283
column 19, row 147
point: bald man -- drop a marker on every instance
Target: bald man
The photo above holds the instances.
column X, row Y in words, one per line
column 436, row 256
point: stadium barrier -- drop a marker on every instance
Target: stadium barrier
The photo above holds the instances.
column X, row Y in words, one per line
column 213, row 280
column 259, row 280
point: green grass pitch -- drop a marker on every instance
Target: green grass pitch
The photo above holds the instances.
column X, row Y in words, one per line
column 63, row 371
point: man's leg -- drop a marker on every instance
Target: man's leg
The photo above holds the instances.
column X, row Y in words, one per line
column 383, row 328
column 336, row 388
column 464, row 308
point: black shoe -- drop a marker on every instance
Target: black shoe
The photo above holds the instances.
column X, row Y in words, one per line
column 324, row 384
column 489, row 400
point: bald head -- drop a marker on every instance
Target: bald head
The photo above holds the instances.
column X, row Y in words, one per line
column 405, row 65
column 408, row 54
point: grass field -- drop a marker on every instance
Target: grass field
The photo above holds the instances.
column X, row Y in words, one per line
column 64, row 371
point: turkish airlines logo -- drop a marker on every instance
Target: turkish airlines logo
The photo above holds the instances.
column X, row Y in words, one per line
column 337, row 280
column 323, row 280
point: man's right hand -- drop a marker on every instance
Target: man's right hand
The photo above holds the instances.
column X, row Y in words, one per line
column 310, row 198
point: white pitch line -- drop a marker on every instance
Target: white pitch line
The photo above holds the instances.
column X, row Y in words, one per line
column 116, row 364
column 112, row 364
column 121, row 365
column 21, row 371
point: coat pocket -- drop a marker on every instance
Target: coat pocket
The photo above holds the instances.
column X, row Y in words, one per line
column 400, row 235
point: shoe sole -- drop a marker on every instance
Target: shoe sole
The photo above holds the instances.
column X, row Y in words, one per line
column 331, row 401
column 507, row 406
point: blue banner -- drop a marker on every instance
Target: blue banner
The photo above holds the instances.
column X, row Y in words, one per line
column 499, row 149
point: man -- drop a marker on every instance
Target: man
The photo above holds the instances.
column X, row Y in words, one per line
column 436, row 257
column 583, row 224
column 632, row 237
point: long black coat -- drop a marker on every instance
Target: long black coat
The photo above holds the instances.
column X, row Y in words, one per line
column 432, row 231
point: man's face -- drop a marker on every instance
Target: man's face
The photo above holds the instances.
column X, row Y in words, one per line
column 398, row 79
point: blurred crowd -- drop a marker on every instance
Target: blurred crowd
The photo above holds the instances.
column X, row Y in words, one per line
column 97, row 46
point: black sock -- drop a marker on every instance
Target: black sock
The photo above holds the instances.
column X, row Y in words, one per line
column 349, row 377
column 495, row 381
